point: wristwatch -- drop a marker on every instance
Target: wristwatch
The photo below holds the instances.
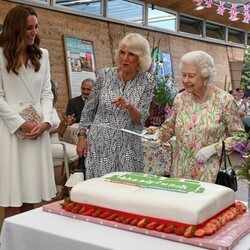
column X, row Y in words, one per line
column 82, row 133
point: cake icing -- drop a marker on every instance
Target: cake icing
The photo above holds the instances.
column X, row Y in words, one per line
column 180, row 206
column 185, row 201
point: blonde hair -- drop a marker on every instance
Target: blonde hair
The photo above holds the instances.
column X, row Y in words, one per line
column 137, row 45
column 203, row 61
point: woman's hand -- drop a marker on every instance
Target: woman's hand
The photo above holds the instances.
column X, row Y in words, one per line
column 27, row 126
column 82, row 146
column 68, row 120
column 121, row 102
column 37, row 131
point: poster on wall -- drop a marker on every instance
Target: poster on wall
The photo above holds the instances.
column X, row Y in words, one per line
column 163, row 66
column 80, row 62
column 167, row 64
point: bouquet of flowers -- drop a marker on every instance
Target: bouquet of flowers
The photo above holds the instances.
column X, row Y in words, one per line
column 243, row 148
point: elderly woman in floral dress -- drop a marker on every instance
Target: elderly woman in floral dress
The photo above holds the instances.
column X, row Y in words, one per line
column 202, row 117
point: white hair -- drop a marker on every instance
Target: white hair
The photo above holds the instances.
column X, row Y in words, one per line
column 137, row 45
column 203, row 61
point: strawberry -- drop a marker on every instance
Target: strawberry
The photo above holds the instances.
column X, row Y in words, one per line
column 89, row 212
column 208, row 230
column 199, row 233
column 244, row 207
column 189, row 232
column 222, row 219
column 212, row 226
column 239, row 210
column 96, row 213
column 120, row 219
column 152, row 225
column 75, row 209
column 142, row 223
column 179, row 230
column 82, row 210
column 69, row 206
column 126, row 221
column 111, row 217
column 105, row 215
column 216, row 222
column 64, row 204
column 169, row 229
column 160, row 228
column 134, row 222
column 234, row 210
column 230, row 215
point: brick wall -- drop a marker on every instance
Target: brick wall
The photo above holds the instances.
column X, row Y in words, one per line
column 105, row 36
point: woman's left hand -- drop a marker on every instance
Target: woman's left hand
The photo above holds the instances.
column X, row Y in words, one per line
column 38, row 130
column 121, row 102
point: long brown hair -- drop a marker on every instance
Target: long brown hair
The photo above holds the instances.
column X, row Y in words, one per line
column 11, row 39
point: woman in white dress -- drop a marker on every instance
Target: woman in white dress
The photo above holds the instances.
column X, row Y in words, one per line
column 26, row 168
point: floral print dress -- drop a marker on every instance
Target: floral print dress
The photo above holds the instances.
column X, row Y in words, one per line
column 197, row 125
column 110, row 149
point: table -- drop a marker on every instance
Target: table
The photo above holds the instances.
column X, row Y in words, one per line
column 46, row 231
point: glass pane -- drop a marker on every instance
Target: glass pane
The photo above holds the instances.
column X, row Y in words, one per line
column 89, row 6
column 190, row 25
column 236, row 36
column 161, row 19
column 248, row 39
column 125, row 11
column 215, row 31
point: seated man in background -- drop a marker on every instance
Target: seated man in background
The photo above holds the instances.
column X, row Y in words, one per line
column 57, row 130
column 76, row 104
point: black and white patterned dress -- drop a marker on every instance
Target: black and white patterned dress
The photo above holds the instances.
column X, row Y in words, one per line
column 112, row 150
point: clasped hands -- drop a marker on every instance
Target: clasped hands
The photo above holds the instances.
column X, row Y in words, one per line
column 32, row 129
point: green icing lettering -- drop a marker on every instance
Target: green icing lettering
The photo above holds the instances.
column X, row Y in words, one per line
column 157, row 182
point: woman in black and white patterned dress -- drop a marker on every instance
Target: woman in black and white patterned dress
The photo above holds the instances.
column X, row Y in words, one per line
column 120, row 99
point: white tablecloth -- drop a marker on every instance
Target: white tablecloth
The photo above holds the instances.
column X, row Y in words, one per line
column 38, row 230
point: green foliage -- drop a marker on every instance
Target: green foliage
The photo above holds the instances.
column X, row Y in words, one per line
column 245, row 78
column 163, row 95
column 244, row 172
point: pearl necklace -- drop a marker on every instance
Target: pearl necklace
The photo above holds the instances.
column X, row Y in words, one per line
column 205, row 97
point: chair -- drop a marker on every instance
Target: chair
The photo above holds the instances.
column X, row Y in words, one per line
column 59, row 161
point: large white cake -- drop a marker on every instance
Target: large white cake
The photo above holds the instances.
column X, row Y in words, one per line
column 178, row 200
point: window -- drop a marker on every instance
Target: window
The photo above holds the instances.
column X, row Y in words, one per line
column 161, row 19
column 215, row 31
column 191, row 25
column 236, row 36
column 88, row 6
column 125, row 11
column 248, row 39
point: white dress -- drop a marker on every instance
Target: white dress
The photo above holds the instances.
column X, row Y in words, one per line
column 26, row 168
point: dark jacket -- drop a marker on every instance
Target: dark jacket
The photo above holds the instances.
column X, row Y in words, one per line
column 75, row 106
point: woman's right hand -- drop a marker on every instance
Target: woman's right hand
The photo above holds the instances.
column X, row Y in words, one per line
column 27, row 126
column 82, row 146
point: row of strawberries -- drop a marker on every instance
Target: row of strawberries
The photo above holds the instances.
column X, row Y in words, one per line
column 208, row 229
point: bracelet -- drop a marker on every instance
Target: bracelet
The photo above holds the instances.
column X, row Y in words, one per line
column 82, row 133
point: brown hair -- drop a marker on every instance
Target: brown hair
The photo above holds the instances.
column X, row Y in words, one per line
column 11, row 39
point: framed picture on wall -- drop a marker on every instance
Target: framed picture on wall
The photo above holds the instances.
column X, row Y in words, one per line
column 80, row 62
column 167, row 64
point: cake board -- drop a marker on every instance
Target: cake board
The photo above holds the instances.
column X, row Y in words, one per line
column 224, row 239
